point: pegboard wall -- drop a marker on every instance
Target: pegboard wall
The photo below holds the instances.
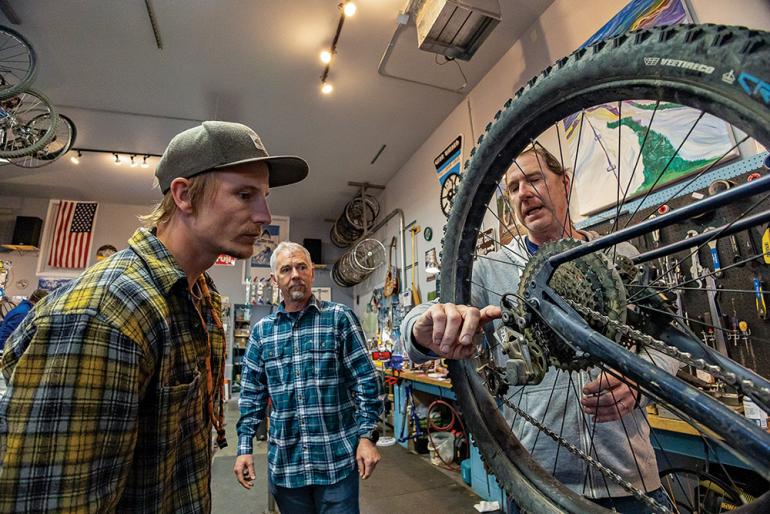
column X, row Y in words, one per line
column 736, row 296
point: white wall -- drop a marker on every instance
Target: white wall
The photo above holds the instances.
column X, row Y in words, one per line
column 562, row 28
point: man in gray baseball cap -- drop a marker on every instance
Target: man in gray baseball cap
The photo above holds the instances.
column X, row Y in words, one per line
column 215, row 145
column 138, row 373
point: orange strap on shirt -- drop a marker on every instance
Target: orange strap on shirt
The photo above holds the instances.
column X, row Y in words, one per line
column 218, row 416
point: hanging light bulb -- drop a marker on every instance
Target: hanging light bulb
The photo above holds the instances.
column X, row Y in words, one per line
column 75, row 159
column 326, row 88
column 133, row 162
column 118, row 162
column 144, row 163
column 326, row 56
column 349, row 8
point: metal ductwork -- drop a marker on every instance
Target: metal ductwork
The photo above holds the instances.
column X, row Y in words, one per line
column 454, row 28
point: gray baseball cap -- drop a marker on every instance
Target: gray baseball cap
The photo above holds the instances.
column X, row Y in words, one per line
column 214, row 145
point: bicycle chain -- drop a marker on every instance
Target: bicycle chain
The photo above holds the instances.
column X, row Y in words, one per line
column 604, row 470
column 641, row 338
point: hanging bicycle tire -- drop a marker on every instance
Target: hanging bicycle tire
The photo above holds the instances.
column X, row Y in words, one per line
column 17, row 63
column 719, row 71
column 61, row 142
column 28, row 122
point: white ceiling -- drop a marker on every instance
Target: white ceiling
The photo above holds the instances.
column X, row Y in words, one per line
column 254, row 62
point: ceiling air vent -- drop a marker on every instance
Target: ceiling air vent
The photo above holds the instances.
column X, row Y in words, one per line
column 455, row 28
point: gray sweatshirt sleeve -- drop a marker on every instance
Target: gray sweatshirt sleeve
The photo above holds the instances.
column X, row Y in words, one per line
column 479, row 298
column 407, row 323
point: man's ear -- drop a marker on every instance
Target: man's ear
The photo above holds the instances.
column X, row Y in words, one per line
column 180, row 191
column 273, row 279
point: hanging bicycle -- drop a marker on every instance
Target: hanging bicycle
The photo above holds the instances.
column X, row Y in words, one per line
column 28, row 122
column 17, row 63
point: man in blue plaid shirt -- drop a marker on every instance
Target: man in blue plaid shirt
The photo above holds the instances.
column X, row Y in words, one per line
column 310, row 358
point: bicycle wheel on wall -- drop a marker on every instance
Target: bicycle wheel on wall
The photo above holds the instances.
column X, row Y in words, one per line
column 614, row 117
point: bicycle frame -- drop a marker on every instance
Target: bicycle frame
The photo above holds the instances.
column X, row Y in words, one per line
column 760, row 185
column 563, row 320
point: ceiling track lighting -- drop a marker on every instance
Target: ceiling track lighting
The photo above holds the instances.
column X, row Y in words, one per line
column 347, row 9
column 132, row 157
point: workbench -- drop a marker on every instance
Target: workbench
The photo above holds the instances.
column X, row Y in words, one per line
column 670, row 435
column 482, row 483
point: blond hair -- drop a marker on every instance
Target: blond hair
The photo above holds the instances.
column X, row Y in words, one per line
column 202, row 187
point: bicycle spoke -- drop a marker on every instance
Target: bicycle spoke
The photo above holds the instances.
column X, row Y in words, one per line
column 715, row 237
column 550, row 397
column 636, row 164
column 617, row 175
column 574, row 166
column 509, row 262
column 690, row 281
column 561, row 430
column 591, row 449
column 665, row 168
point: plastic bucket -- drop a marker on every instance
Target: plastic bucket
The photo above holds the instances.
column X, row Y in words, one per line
column 442, row 447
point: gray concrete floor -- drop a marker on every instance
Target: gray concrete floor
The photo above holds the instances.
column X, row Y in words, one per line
column 402, row 482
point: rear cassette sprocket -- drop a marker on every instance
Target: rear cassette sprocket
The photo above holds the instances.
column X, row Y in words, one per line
column 591, row 281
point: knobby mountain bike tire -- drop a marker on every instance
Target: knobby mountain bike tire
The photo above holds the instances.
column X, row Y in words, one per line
column 719, row 70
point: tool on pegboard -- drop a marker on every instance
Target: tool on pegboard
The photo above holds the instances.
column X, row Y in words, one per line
column 745, row 333
column 766, row 244
column 712, row 243
column 716, row 314
column 696, row 269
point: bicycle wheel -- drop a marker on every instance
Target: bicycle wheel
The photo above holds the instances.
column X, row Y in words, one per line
column 354, row 212
column 17, row 63
column 696, row 492
column 28, row 121
column 60, row 144
column 579, row 312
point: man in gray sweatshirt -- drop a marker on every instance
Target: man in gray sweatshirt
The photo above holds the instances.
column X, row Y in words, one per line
column 538, row 189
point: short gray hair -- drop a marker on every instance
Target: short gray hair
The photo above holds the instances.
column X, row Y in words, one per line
column 289, row 246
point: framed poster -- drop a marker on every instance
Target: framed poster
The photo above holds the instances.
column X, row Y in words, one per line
column 448, row 168
column 272, row 234
column 601, row 162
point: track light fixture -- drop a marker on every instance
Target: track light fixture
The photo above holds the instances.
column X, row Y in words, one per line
column 131, row 157
column 347, row 9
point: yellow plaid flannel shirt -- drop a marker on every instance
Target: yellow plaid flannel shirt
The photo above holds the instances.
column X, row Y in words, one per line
column 107, row 401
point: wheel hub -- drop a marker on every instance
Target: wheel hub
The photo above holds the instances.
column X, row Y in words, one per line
column 591, row 281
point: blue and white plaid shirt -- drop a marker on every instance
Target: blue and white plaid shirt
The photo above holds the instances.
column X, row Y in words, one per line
column 315, row 367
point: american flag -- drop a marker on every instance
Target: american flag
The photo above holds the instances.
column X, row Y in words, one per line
column 73, row 232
